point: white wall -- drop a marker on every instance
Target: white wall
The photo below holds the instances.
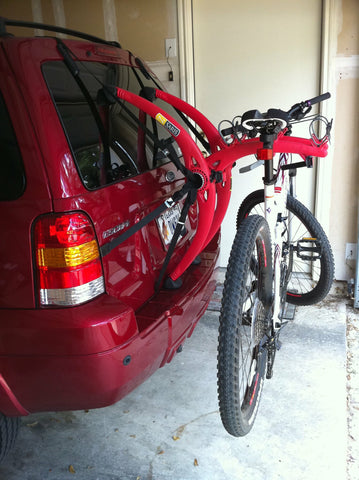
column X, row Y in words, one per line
column 257, row 54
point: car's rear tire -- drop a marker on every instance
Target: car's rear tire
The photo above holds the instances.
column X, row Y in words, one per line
column 9, row 429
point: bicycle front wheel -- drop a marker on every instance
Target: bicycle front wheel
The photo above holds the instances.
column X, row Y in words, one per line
column 311, row 257
column 244, row 322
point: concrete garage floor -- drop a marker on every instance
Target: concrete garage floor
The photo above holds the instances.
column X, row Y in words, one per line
column 169, row 427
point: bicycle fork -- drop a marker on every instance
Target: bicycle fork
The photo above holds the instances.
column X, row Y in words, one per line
column 272, row 213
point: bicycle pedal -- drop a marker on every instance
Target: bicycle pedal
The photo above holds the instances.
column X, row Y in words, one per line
column 309, row 249
column 288, row 311
column 278, row 344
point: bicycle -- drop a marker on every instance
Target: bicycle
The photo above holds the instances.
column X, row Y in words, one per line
column 256, row 288
column 263, row 255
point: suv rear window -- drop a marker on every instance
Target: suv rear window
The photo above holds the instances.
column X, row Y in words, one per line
column 107, row 144
column 12, row 173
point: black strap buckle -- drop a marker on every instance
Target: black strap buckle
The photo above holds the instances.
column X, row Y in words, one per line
column 216, row 176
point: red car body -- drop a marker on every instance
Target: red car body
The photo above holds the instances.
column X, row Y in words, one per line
column 89, row 354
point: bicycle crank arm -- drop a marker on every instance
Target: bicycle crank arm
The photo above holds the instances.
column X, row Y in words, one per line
column 271, row 344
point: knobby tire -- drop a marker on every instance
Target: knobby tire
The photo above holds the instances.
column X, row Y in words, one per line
column 302, row 290
column 244, row 321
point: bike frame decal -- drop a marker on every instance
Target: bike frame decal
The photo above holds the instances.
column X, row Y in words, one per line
column 254, row 389
column 253, row 416
column 168, row 125
column 265, row 253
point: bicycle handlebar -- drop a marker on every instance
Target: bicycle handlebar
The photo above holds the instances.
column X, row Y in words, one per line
column 299, row 110
column 253, row 119
column 318, row 99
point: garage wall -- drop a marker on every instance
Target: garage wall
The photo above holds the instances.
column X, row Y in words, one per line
column 142, row 25
column 337, row 196
column 139, row 25
column 234, row 72
column 345, row 178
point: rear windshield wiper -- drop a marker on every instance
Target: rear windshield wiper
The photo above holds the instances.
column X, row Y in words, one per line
column 75, row 72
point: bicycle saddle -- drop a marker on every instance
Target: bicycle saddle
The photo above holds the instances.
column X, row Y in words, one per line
column 253, row 119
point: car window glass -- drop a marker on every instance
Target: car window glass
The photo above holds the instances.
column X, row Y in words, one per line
column 12, row 173
column 108, row 144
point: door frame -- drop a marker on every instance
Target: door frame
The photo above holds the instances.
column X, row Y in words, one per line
column 327, row 83
column 185, row 50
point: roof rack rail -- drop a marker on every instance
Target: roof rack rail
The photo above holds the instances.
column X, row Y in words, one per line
column 52, row 28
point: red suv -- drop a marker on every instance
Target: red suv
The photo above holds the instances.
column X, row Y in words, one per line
column 81, row 325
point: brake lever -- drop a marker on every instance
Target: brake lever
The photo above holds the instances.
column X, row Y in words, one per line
column 329, row 128
column 299, row 111
column 232, row 130
column 303, row 112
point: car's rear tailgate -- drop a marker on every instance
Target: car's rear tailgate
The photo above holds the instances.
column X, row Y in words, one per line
column 131, row 268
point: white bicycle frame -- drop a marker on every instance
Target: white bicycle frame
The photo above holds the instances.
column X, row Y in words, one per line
column 275, row 198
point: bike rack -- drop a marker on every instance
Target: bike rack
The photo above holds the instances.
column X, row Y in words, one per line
column 213, row 195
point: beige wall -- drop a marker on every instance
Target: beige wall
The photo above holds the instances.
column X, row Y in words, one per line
column 142, row 25
column 19, row 10
column 345, row 180
column 348, row 39
column 84, row 15
column 232, row 80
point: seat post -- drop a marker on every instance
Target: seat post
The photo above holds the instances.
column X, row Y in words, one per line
column 266, row 154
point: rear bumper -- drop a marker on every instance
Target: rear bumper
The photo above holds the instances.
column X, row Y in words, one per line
column 93, row 355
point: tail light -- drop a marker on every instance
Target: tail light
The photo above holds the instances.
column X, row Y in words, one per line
column 68, row 261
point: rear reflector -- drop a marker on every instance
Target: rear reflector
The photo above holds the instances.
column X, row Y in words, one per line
column 68, row 262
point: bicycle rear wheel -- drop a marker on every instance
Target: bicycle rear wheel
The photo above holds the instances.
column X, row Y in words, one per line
column 312, row 272
column 244, row 322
